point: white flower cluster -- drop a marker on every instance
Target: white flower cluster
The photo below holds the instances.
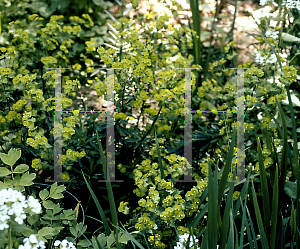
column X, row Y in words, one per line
column 262, row 14
column 183, row 240
column 279, row 84
column 264, row 2
column 291, row 4
column 260, row 59
column 272, row 59
column 32, row 243
column 12, row 202
column 272, row 34
column 64, row 244
column 265, row 59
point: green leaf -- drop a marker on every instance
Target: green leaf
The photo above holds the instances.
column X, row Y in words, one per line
column 127, row 10
column 100, row 210
column 10, row 158
column 31, row 219
column 296, row 59
column 111, row 16
column 290, row 38
column 227, row 216
column 35, row 6
column 206, row 105
column 110, row 240
column 4, row 172
column 274, row 211
column 263, row 236
column 48, row 204
column 16, row 181
column 56, row 191
column 264, row 188
column 102, row 239
column 230, row 57
column 224, row 178
column 46, row 231
column 212, row 216
column 25, row 230
column 284, row 157
column 124, row 238
column 98, row 41
column 44, row 194
column 26, row 179
column 130, row 236
column 293, row 222
column 290, row 189
column 21, row 169
column 57, row 208
column 230, row 241
column 84, row 243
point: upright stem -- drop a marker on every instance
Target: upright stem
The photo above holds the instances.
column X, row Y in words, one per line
column 9, row 238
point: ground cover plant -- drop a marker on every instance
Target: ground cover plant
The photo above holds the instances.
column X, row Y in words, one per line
column 150, row 209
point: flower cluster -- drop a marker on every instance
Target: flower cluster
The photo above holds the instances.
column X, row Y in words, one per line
column 37, row 164
column 123, row 207
column 291, row 4
column 64, row 244
column 264, row 2
column 183, row 239
column 32, row 243
column 13, row 203
column 38, row 141
column 272, row 34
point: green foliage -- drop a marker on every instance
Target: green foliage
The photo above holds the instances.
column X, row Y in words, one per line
column 46, row 225
column 149, row 129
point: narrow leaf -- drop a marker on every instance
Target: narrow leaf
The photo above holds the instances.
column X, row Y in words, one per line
column 261, row 229
column 212, row 228
column 274, row 211
column 224, row 178
column 100, row 210
column 264, row 188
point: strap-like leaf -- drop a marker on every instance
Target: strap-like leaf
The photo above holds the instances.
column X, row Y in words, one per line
column 264, row 189
column 274, row 212
column 261, row 229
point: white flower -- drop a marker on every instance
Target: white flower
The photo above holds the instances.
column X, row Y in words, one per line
column 279, row 84
column 272, row 59
column 263, row 14
column 283, row 55
column 33, row 239
column 183, row 239
column 294, row 98
column 260, row 59
column 291, row 4
column 264, row 2
column 272, row 34
column 34, row 205
column 65, row 244
column 32, row 243
column 132, row 120
column 3, row 225
column 19, row 219
column 13, row 203
column 57, row 243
